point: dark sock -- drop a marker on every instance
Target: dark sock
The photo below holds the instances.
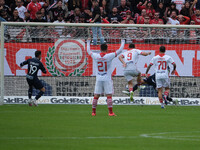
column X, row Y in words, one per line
column 135, row 87
column 30, row 90
column 169, row 99
column 39, row 95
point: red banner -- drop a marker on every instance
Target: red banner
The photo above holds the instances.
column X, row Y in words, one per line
column 69, row 58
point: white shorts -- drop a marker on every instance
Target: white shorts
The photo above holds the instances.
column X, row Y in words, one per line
column 163, row 82
column 129, row 74
column 104, row 87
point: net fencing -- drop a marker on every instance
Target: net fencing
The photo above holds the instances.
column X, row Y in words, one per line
column 70, row 70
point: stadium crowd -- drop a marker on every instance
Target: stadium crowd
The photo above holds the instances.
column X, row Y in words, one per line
column 109, row 11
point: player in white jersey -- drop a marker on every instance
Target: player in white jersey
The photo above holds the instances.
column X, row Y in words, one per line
column 104, row 83
column 129, row 60
column 161, row 63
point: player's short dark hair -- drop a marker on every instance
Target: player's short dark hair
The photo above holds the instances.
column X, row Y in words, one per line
column 104, row 47
column 162, row 49
column 131, row 45
column 37, row 53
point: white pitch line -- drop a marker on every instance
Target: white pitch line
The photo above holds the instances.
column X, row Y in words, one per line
column 163, row 135
column 65, row 138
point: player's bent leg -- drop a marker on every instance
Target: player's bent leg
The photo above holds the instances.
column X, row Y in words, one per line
column 139, row 78
column 110, row 106
column 94, row 104
column 160, row 97
column 130, row 86
column 30, row 90
column 166, row 93
column 42, row 90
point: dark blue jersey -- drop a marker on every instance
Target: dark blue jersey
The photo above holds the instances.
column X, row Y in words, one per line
column 34, row 65
column 151, row 80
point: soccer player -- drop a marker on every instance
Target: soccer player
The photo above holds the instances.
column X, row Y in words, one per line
column 34, row 64
column 151, row 80
column 161, row 63
column 104, row 83
column 129, row 60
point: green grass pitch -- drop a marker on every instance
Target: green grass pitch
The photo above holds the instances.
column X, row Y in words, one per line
column 71, row 127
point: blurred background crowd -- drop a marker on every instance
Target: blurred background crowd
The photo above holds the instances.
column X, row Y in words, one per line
column 102, row 11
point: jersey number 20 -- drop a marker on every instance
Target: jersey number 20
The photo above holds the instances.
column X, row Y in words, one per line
column 102, row 66
column 162, row 65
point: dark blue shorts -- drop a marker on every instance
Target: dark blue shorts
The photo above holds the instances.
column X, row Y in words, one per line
column 35, row 83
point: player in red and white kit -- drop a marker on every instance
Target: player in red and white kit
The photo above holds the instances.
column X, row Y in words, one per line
column 129, row 60
column 161, row 63
column 104, row 83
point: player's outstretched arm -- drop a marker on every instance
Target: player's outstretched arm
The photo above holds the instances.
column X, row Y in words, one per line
column 121, row 47
column 173, row 72
column 122, row 61
column 43, row 68
column 24, row 63
column 88, row 47
column 145, row 53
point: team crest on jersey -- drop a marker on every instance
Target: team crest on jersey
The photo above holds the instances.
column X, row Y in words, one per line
column 67, row 58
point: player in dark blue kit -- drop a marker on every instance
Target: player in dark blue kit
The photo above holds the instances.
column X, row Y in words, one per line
column 151, row 80
column 34, row 65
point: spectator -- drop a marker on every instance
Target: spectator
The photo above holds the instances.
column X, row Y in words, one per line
column 20, row 8
column 84, row 4
column 179, row 4
column 185, row 11
column 72, row 4
column 26, row 2
column 149, row 8
column 122, row 9
column 15, row 17
column 161, row 9
column 114, row 3
column 87, row 14
column 172, row 8
column 4, row 15
column 27, row 17
column 166, row 3
column 75, row 18
column 33, row 7
column 128, row 18
column 133, row 6
column 45, row 16
column 59, row 29
column 195, row 16
column 184, row 20
column 58, row 10
column 39, row 17
column 82, row 19
column 114, row 17
column 172, row 20
column 5, row 7
column 103, row 14
column 147, row 20
column 156, row 19
column 106, row 10
column 96, row 18
column 140, row 19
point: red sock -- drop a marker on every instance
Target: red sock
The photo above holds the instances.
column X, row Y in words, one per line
column 130, row 89
column 94, row 104
column 109, row 103
column 94, row 110
column 161, row 100
column 166, row 93
column 110, row 110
